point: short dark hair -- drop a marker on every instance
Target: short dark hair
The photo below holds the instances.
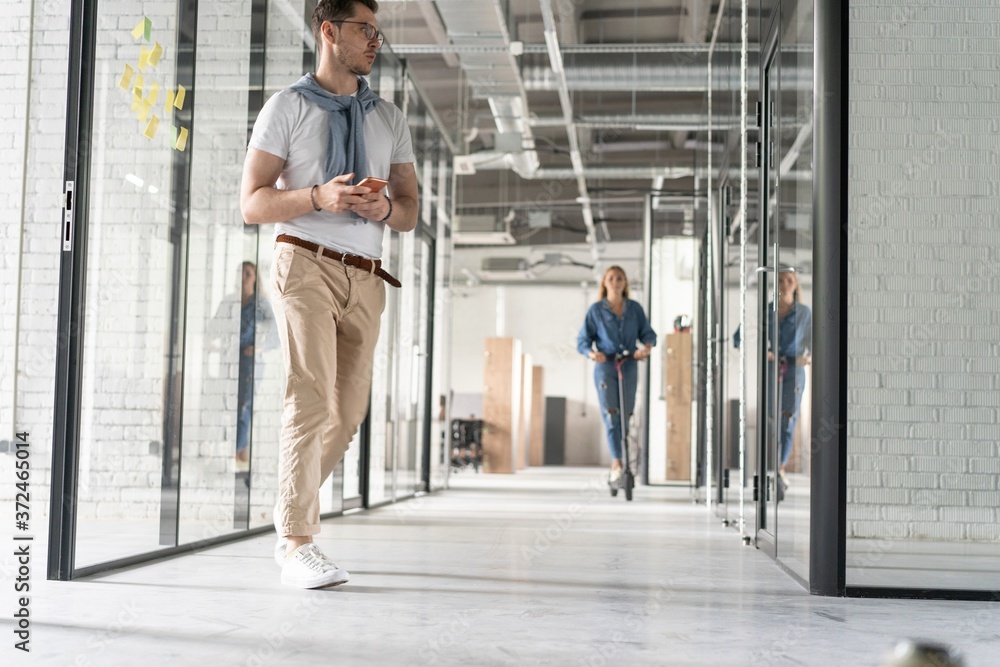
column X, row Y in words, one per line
column 334, row 10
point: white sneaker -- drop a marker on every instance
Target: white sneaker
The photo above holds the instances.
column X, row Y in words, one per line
column 279, row 551
column 308, row 567
column 614, row 475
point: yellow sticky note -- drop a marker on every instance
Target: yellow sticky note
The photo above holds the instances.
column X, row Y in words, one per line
column 136, row 100
column 182, row 139
column 140, row 83
column 144, row 107
column 142, row 29
column 143, row 58
column 170, row 100
column 154, row 54
column 154, row 123
column 179, row 97
column 126, row 81
column 154, row 92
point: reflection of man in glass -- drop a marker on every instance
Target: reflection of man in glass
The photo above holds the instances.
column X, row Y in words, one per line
column 794, row 347
column 254, row 309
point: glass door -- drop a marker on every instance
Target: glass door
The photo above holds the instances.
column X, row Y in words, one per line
column 167, row 338
column 726, row 429
column 769, row 491
column 423, row 397
column 795, row 220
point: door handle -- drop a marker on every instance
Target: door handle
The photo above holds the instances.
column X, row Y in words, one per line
column 69, row 216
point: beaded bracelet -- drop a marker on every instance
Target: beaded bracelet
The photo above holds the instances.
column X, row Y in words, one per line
column 390, row 209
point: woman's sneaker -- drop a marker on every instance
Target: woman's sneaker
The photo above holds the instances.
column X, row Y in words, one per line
column 614, row 476
column 308, row 567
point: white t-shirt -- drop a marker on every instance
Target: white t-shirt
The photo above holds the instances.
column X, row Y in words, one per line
column 296, row 130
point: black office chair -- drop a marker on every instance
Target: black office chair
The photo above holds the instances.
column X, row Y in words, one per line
column 466, row 444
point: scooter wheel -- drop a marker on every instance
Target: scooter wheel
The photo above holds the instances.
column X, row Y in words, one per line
column 614, row 492
column 628, row 487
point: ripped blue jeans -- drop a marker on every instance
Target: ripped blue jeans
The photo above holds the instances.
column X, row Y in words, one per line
column 606, row 379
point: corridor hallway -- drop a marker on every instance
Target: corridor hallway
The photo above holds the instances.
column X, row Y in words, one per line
column 538, row 568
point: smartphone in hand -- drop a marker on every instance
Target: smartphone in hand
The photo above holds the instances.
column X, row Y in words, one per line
column 373, row 184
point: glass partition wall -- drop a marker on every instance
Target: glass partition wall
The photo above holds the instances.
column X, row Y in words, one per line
column 170, row 384
column 765, row 267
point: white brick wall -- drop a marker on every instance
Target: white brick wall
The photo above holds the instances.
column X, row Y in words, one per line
column 14, row 72
column 30, row 200
column 923, row 406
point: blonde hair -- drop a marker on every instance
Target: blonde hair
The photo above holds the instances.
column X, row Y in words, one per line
column 602, row 291
column 795, row 294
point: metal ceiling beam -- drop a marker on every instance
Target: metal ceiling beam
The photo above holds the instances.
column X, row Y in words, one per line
column 571, row 49
column 556, row 67
column 437, row 29
column 653, row 73
column 693, row 30
column 654, row 122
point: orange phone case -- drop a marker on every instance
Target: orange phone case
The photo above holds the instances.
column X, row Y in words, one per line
column 373, row 184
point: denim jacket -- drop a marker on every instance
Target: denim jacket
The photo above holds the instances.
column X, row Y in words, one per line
column 614, row 334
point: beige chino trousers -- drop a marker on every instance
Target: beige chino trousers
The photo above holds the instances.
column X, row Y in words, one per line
column 329, row 326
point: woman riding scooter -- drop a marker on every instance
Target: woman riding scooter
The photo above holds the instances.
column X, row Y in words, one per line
column 611, row 328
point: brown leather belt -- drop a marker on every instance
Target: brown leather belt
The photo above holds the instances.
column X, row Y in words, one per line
column 369, row 265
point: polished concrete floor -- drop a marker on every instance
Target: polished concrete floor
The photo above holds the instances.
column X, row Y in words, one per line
column 538, row 568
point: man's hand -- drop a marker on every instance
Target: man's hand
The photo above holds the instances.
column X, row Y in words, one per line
column 374, row 210
column 641, row 354
column 598, row 357
column 338, row 196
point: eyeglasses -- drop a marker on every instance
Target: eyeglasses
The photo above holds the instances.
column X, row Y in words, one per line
column 371, row 32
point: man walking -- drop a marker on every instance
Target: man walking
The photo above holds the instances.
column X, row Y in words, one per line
column 311, row 145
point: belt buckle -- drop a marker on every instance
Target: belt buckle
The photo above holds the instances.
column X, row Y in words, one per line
column 371, row 269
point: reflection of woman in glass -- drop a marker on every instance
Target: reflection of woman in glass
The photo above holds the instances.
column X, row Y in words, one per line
column 612, row 326
column 254, row 308
column 794, row 348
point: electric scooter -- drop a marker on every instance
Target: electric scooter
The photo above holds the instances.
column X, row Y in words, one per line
column 627, row 480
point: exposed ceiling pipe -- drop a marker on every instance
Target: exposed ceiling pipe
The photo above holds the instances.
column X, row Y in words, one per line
column 693, row 30
column 437, row 29
column 510, row 118
column 654, row 73
column 569, row 49
column 559, row 73
column 646, row 172
column 492, row 74
column 655, row 122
